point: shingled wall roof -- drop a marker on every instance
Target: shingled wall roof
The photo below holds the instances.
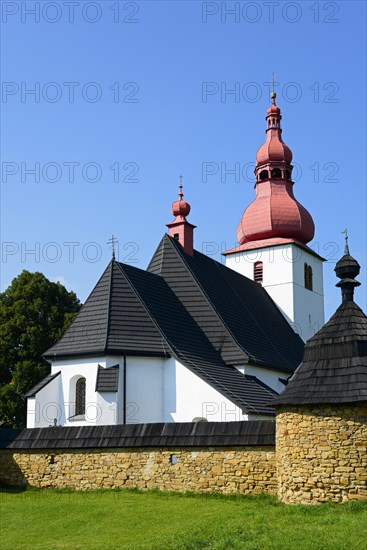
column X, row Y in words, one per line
column 179, row 434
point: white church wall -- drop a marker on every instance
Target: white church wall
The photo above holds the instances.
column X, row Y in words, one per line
column 308, row 304
column 101, row 408
column 170, row 390
column 144, row 389
column 283, row 279
column 45, row 407
column 196, row 399
column 157, row 390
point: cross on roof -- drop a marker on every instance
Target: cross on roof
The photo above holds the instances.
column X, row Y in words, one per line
column 346, row 247
column 112, row 242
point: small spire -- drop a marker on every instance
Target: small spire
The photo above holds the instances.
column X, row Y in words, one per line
column 180, row 193
column 347, row 268
column 346, row 247
column 111, row 242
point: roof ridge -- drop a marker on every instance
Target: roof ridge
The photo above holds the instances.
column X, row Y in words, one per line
column 70, row 327
column 255, row 321
column 207, row 297
column 220, row 266
column 137, row 294
column 109, row 304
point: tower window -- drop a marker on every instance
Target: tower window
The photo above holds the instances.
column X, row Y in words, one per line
column 176, row 236
column 308, row 277
column 264, row 174
column 276, row 173
column 287, row 174
column 258, row 272
column 80, row 397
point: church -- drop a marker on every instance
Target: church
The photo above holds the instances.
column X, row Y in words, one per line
column 189, row 339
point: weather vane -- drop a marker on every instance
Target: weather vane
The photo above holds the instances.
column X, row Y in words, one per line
column 112, row 242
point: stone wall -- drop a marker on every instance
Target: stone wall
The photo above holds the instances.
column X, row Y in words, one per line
column 212, row 469
column 321, row 453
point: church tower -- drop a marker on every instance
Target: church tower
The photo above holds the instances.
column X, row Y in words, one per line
column 273, row 234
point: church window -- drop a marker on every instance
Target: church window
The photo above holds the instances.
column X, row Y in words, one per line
column 258, row 272
column 276, row 173
column 173, row 460
column 176, row 236
column 287, row 174
column 308, row 277
column 264, row 174
column 80, row 397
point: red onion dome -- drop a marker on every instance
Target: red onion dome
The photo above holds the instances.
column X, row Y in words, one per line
column 275, row 213
column 180, row 207
column 274, row 149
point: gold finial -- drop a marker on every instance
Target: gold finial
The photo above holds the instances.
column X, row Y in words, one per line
column 112, row 242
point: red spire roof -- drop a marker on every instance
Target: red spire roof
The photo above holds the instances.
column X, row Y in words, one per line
column 180, row 229
column 275, row 212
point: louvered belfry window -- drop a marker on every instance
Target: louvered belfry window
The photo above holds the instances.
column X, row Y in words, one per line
column 80, row 397
column 258, row 272
column 308, row 277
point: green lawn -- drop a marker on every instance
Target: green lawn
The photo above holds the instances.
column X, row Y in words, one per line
column 51, row 519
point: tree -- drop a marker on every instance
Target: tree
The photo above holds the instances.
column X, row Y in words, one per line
column 34, row 313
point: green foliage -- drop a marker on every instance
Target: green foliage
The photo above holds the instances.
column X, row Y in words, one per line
column 34, row 313
column 109, row 519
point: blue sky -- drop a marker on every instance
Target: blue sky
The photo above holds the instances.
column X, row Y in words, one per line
column 145, row 88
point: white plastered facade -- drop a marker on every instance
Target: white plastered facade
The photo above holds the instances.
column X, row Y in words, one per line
column 157, row 390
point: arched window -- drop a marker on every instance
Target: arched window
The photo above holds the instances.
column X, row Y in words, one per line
column 308, row 277
column 276, row 173
column 80, row 397
column 258, row 272
column 264, row 174
column 287, row 174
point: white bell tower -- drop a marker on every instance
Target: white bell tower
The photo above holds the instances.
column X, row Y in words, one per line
column 273, row 234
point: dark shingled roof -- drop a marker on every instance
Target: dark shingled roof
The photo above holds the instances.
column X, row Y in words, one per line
column 190, row 345
column 237, row 314
column 112, row 320
column 334, row 366
column 252, row 433
column 107, row 378
column 46, row 380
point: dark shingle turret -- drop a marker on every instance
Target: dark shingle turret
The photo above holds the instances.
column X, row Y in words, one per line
column 334, row 366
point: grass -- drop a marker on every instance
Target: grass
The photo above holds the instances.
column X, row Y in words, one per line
column 127, row 519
